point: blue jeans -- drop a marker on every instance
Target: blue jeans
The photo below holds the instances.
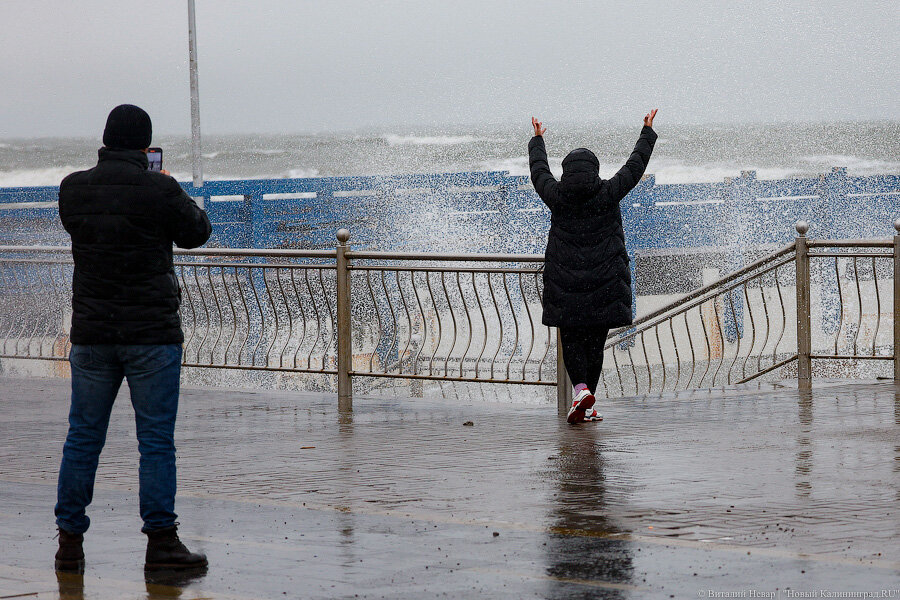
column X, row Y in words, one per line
column 153, row 373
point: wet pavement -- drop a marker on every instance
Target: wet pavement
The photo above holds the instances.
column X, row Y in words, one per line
column 741, row 491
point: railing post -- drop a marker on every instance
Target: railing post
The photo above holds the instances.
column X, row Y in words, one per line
column 246, row 240
column 508, row 214
column 897, row 299
column 563, row 384
column 804, row 328
column 344, row 346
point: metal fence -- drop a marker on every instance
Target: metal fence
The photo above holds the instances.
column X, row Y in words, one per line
column 240, row 313
column 477, row 317
column 445, row 317
column 438, row 317
column 731, row 331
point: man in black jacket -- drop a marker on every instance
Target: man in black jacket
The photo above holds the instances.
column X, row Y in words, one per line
column 587, row 281
column 123, row 220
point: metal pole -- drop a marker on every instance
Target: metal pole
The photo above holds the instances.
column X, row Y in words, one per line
column 804, row 328
column 195, row 97
column 563, row 384
column 344, row 349
column 897, row 299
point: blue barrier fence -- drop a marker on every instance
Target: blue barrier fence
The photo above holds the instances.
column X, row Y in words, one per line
column 496, row 212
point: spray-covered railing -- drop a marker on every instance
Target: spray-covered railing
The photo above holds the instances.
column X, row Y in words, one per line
column 268, row 310
column 762, row 319
column 493, row 211
column 731, row 331
column 417, row 316
column 477, row 317
column 858, row 287
column 35, row 302
column 467, row 317
column 258, row 310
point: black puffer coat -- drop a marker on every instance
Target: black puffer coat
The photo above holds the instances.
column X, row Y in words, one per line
column 587, row 281
column 123, row 220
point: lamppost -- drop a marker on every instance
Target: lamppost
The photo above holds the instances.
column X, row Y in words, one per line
column 195, row 97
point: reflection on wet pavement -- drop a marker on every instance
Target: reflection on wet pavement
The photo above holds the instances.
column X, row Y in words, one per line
column 71, row 586
column 581, row 541
column 765, row 488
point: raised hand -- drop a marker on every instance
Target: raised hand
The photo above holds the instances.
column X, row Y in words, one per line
column 539, row 128
column 648, row 119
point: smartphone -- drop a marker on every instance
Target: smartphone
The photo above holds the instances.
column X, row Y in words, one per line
column 154, row 155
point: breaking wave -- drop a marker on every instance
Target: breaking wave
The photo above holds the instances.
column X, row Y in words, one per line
column 37, row 177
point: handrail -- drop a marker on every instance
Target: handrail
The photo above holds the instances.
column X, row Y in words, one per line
column 692, row 300
column 707, row 288
column 253, row 252
column 439, row 256
column 38, row 249
column 867, row 243
column 304, row 253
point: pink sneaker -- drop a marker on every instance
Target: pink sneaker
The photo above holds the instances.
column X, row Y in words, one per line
column 583, row 401
column 592, row 415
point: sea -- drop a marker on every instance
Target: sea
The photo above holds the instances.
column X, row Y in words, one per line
column 683, row 154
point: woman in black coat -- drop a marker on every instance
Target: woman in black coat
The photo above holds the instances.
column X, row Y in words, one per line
column 587, row 282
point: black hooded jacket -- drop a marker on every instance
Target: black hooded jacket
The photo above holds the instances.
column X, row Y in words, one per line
column 123, row 220
column 587, row 280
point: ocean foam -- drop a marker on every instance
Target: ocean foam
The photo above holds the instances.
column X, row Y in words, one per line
column 301, row 173
column 433, row 140
column 854, row 164
column 678, row 172
column 518, row 165
column 265, row 151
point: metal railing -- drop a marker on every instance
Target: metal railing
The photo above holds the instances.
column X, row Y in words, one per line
column 415, row 316
column 731, row 331
column 853, row 279
column 477, row 317
column 240, row 313
column 813, row 300
column 446, row 317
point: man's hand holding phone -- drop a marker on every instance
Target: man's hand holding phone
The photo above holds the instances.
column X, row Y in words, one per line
column 154, row 158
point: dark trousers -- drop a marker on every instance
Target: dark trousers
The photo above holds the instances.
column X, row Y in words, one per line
column 582, row 349
column 153, row 376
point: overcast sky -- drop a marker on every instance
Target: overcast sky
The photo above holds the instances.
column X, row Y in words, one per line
column 295, row 66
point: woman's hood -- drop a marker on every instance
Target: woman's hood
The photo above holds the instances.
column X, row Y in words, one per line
column 581, row 174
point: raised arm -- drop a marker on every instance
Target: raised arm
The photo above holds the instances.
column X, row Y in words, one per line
column 541, row 177
column 630, row 174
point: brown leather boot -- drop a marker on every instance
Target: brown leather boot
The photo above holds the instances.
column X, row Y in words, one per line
column 70, row 556
column 166, row 552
